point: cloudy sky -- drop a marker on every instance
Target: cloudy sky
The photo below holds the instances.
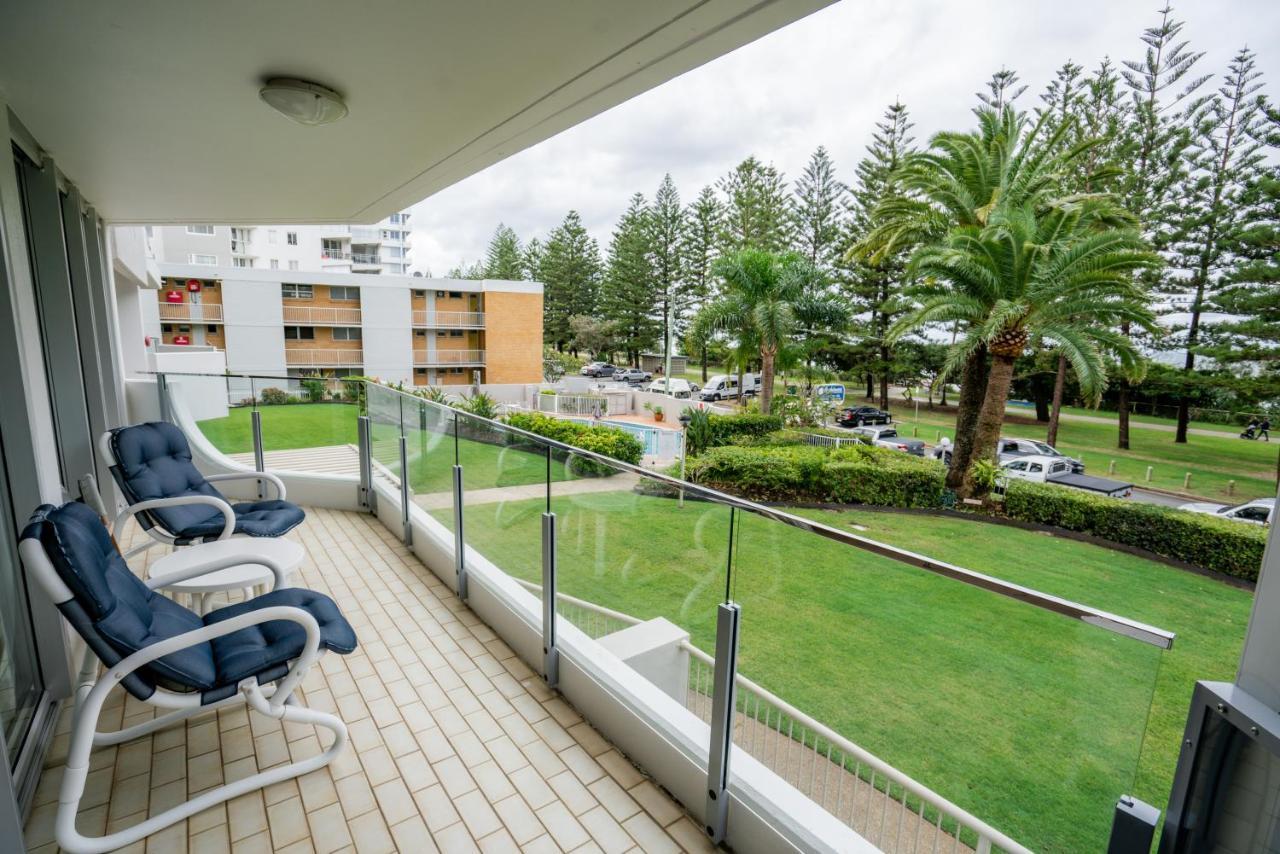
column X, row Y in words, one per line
column 825, row 80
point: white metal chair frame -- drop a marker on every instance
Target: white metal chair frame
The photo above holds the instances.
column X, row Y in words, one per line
column 274, row 701
column 155, row 530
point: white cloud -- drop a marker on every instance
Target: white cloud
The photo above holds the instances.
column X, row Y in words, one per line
column 824, row 80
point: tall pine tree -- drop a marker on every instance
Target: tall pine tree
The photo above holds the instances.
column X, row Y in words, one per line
column 703, row 223
column 757, row 212
column 531, row 260
column 628, row 292
column 503, row 260
column 666, row 231
column 875, row 284
column 570, row 272
column 818, row 211
column 1153, row 145
column 1226, row 157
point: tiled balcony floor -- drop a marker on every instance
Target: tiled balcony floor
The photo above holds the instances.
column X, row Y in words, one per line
column 456, row 745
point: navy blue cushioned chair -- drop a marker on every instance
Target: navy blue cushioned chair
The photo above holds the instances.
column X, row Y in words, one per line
column 175, row 503
column 254, row 652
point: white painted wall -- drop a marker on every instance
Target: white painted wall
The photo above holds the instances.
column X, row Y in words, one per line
column 388, row 337
column 253, row 318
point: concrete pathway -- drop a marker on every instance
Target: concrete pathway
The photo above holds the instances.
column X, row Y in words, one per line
column 329, row 459
column 616, row 483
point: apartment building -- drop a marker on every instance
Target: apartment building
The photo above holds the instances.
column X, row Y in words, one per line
column 408, row 329
column 381, row 248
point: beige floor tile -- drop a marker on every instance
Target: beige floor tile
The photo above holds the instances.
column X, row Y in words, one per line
column 690, row 837
column 563, row 827
column 287, row 821
column 532, row 787
column 356, row 795
column 499, row 842
column 212, row 841
column 411, row 835
column 518, row 819
column 455, row 839
column 329, row 829
column 606, row 832
column 370, row 835
column 395, row 801
column 477, row 814
column 620, row 768
column 581, row 764
column 436, row 807
column 614, row 798
column 649, row 835
column 246, row 816
column 655, row 803
column 572, row 793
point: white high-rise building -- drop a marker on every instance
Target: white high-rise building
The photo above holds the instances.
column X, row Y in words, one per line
column 379, row 248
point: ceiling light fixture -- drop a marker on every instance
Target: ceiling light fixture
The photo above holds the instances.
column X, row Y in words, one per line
column 306, row 103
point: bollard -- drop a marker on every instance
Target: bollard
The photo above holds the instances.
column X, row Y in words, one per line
column 1148, row 474
column 1231, row 487
column 937, row 436
column 1111, row 468
column 1186, row 481
column 915, row 432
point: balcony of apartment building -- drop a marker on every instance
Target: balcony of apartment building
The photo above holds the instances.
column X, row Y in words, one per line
column 443, row 358
column 428, row 319
column 190, row 312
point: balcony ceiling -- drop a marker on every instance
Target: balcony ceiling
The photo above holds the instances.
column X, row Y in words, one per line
column 152, row 106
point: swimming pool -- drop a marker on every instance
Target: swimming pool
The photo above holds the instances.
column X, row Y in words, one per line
column 663, row 444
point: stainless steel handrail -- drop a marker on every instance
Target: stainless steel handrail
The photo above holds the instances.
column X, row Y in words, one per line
column 1102, row 619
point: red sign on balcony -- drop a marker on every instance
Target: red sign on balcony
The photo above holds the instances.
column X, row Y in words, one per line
column 193, row 285
column 181, row 339
column 173, row 296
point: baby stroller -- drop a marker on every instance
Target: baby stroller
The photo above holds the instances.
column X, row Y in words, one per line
column 1250, row 431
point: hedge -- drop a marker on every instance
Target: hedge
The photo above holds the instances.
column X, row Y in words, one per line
column 1233, row 548
column 877, row 476
column 855, row 475
column 610, row 441
column 726, row 429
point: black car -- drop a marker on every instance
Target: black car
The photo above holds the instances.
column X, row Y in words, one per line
column 856, row 416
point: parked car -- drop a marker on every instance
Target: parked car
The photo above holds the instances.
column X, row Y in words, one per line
column 631, row 376
column 887, row 437
column 598, row 369
column 1011, row 449
column 856, row 416
column 1043, row 468
column 1257, row 512
column 680, row 388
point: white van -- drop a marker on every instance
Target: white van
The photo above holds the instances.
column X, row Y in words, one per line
column 720, row 387
column 725, row 387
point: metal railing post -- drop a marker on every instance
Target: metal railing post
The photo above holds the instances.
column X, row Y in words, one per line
column 162, row 392
column 259, row 460
column 459, row 541
column 550, row 653
column 364, row 438
column 723, row 703
column 406, row 527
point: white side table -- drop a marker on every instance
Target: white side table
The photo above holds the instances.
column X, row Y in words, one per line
column 244, row 575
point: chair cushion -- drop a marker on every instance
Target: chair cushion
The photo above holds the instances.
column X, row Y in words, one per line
column 112, row 608
column 256, row 650
column 153, row 460
column 254, row 519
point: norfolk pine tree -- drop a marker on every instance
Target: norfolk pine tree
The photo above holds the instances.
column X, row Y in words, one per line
column 627, row 294
column 703, row 223
column 570, row 269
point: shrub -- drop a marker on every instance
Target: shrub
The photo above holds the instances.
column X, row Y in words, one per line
column 726, row 429
column 314, row 387
column 480, row 404
column 1221, row 545
column 273, row 396
column 600, row 439
column 856, row 475
column 698, row 433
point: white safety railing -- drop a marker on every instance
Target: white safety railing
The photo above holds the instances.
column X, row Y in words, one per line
column 191, row 311
column 446, row 319
column 321, row 316
column 322, row 358
column 364, row 258
column 448, row 357
column 583, row 404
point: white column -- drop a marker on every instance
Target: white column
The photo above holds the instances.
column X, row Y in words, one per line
column 1259, row 662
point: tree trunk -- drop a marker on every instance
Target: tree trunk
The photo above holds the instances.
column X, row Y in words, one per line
column 742, row 397
column 990, row 419
column 704, row 363
column 884, row 377
column 1055, row 413
column 1122, row 405
column 1193, row 338
column 1041, row 401
column 766, row 379
column 973, row 389
column 871, row 386
column 942, row 398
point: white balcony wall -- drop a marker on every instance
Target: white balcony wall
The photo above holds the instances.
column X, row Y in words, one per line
column 254, row 323
column 388, row 339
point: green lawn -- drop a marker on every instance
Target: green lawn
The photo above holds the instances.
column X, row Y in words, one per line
column 312, row 425
column 1212, row 460
column 1032, row 721
column 297, row 425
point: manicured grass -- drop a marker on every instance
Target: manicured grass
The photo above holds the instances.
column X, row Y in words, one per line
column 1212, row 460
column 296, row 425
column 1030, row 720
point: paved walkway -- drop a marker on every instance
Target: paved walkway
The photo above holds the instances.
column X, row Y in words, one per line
column 616, row 483
column 329, row 459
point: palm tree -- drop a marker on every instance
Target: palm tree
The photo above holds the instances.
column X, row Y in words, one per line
column 1060, row 274
column 960, row 185
column 767, row 300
